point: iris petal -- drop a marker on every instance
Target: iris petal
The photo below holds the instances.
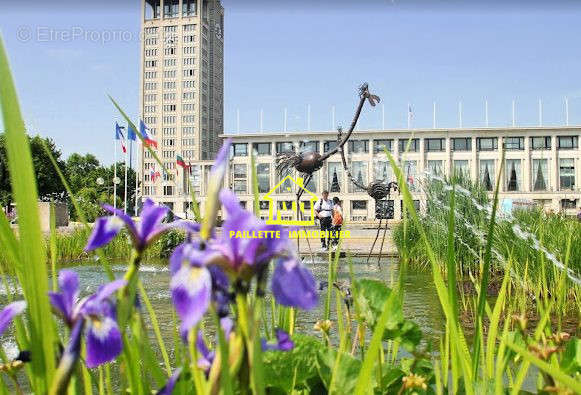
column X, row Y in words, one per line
column 191, row 291
column 293, row 284
column 9, row 312
column 103, row 341
column 105, row 229
column 151, row 217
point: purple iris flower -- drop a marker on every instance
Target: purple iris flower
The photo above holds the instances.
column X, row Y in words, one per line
column 293, row 284
column 142, row 233
column 283, row 342
column 171, row 383
column 97, row 312
column 9, row 312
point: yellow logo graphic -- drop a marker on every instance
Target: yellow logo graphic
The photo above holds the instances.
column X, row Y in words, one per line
column 274, row 216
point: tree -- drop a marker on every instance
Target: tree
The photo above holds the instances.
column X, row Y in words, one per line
column 47, row 179
column 82, row 171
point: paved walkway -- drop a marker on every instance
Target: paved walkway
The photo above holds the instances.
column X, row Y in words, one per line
column 358, row 243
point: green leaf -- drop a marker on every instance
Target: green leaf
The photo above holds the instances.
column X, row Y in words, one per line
column 346, row 373
column 571, row 362
column 371, row 298
column 407, row 333
column 282, row 369
column 34, row 274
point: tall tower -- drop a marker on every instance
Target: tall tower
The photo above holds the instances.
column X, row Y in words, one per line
column 182, row 89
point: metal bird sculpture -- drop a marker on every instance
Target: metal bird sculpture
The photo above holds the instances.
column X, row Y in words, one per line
column 377, row 190
column 308, row 162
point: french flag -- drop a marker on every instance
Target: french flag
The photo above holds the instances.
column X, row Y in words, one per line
column 119, row 136
column 148, row 140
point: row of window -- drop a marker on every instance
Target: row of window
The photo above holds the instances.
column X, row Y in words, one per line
column 151, row 86
column 412, row 145
column 513, row 175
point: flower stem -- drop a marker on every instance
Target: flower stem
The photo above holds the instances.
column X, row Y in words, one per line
column 68, row 361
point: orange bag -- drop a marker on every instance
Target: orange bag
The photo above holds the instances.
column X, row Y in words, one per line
column 337, row 218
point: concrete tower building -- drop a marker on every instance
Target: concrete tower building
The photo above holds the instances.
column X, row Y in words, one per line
column 182, row 90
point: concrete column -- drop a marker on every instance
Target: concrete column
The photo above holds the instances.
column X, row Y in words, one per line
column 475, row 165
column 448, row 160
column 422, row 160
column 554, row 166
column 527, row 164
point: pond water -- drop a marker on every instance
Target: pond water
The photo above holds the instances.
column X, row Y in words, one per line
column 421, row 303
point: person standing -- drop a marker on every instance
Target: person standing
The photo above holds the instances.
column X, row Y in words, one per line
column 337, row 221
column 324, row 211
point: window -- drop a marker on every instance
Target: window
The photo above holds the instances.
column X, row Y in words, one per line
column 309, row 146
column 334, row 176
column 540, row 142
column 359, row 172
column 264, row 204
column 188, row 95
column 169, row 51
column 188, row 107
column 487, row 143
column 358, row 205
column 286, row 205
column 436, row 167
column 188, row 130
column 286, row 146
column 329, row 145
column 540, row 174
column 150, row 63
column 169, row 85
column 312, row 184
column 169, row 107
column 514, row 143
column 382, row 171
column 567, row 174
column 189, row 9
column 239, row 176
column 513, row 177
column 261, row 149
column 381, row 145
column 189, row 72
column 239, row 149
column 568, row 142
column 487, row 174
column 568, row 203
column 435, row 145
column 461, row 168
column 169, row 97
column 189, row 39
column 358, row 146
column 167, row 190
column 189, row 61
column 263, row 176
column 414, row 145
column 462, row 144
column 169, row 62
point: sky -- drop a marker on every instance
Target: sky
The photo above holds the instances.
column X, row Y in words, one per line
column 66, row 59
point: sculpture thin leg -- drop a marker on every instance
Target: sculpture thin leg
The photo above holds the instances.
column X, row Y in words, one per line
column 382, row 241
column 374, row 241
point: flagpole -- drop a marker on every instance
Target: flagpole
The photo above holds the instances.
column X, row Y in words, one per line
column 308, row 117
column 136, row 175
column 115, row 170
column 332, row 117
column 513, row 114
column 238, row 120
column 434, row 116
column 125, row 196
column 409, row 116
column 567, row 111
column 382, row 116
column 460, row 113
column 486, row 112
column 285, row 115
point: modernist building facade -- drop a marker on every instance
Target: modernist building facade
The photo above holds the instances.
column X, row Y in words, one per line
column 542, row 166
column 182, row 84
